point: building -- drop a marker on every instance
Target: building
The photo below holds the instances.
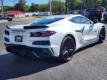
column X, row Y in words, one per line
column 15, row 13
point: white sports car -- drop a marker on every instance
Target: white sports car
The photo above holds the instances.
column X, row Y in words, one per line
column 54, row 36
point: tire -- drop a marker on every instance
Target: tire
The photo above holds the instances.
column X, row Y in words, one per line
column 102, row 35
column 67, row 49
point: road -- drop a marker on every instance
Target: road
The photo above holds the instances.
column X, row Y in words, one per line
column 89, row 63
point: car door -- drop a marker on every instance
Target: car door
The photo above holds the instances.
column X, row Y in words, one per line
column 89, row 32
column 84, row 28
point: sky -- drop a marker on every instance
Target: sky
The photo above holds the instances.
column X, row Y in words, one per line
column 28, row 2
column 37, row 1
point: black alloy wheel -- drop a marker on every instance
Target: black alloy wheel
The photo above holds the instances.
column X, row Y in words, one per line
column 67, row 49
column 102, row 35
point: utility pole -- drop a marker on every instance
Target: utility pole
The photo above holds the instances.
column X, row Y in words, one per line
column 66, row 4
column 50, row 6
column 60, row 6
column 2, row 8
column 14, row 7
column 14, row 2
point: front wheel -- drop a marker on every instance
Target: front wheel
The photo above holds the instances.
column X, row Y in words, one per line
column 102, row 35
column 67, row 49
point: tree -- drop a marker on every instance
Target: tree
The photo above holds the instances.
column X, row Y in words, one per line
column 77, row 4
column 34, row 7
column 22, row 2
column 58, row 7
column 27, row 8
column 104, row 3
column 21, row 5
column 43, row 7
column 91, row 3
column 99, row 1
column 8, row 8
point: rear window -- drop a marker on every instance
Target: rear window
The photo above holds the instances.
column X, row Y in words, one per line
column 46, row 21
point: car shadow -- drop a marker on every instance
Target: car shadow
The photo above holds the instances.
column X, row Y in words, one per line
column 89, row 46
column 13, row 67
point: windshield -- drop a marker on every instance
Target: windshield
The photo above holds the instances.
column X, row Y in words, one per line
column 45, row 21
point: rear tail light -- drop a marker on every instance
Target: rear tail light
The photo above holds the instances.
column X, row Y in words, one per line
column 43, row 34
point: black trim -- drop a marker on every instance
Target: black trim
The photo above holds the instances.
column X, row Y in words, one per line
column 41, row 43
column 35, row 27
column 7, row 27
column 21, row 49
column 6, row 32
column 6, row 39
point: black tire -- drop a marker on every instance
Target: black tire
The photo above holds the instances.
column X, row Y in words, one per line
column 67, row 49
column 102, row 35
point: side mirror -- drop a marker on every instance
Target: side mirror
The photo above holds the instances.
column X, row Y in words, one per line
column 95, row 20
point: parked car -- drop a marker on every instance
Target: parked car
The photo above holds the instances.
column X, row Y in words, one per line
column 93, row 14
column 55, row 36
column 28, row 14
column 6, row 18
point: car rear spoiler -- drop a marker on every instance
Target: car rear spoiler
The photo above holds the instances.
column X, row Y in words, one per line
column 35, row 27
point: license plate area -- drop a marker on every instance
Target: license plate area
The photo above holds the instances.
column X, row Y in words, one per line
column 18, row 38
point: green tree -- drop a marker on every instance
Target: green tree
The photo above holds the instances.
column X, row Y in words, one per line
column 27, row 8
column 34, row 7
column 21, row 5
column 43, row 7
column 77, row 4
column 104, row 3
column 22, row 2
column 8, row 8
column 38, row 7
column 91, row 3
column 99, row 1
column 58, row 7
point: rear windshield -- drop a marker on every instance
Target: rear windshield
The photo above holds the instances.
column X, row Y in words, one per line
column 46, row 21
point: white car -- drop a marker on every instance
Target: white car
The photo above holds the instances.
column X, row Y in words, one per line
column 55, row 36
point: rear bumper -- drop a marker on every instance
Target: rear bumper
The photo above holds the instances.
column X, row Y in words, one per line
column 25, row 50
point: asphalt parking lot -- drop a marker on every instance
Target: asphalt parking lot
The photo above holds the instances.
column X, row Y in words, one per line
column 89, row 63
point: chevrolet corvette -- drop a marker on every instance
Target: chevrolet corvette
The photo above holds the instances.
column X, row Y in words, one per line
column 55, row 36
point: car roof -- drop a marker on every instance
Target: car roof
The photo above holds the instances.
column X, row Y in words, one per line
column 65, row 16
